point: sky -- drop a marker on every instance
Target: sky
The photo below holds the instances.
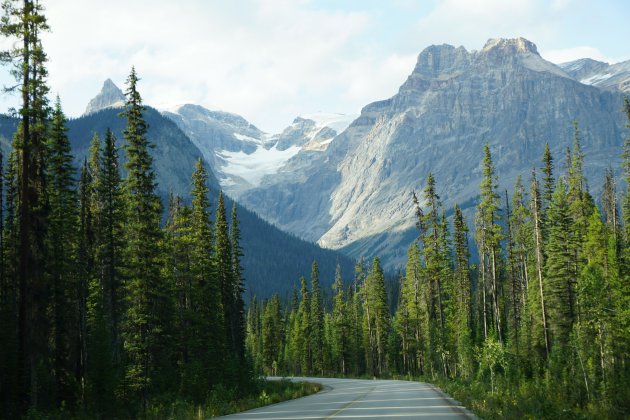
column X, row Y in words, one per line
column 273, row 60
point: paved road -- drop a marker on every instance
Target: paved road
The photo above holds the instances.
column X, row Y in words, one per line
column 362, row 399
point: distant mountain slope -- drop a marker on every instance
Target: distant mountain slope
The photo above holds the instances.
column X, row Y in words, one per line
column 600, row 74
column 241, row 155
column 356, row 194
column 273, row 260
column 174, row 155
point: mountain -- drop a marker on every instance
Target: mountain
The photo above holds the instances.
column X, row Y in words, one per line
column 273, row 260
column 355, row 194
column 600, row 74
column 240, row 154
column 109, row 97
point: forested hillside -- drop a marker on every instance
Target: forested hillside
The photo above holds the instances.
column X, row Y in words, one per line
column 539, row 327
column 273, row 259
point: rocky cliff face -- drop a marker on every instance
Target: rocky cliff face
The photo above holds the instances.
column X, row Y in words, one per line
column 109, row 97
column 356, row 194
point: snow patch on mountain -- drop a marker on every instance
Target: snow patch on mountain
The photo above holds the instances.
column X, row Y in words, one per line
column 254, row 166
column 243, row 137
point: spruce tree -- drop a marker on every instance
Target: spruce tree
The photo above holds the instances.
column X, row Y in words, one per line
column 24, row 23
column 548, row 178
column 109, row 209
column 539, row 241
column 559, row 280
column 376, row 321
column 305, row 327
column 341, row 325
column 146, row 317
column 434, row 252
column 238, row 319
column 463, row 295
column 489, row 235
column 317, row 321
column 207, row 298
column 61, row 258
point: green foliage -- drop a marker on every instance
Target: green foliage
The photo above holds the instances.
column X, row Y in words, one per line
column 538, row 330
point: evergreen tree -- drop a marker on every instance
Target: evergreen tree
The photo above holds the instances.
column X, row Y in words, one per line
column 109, row 210
column 340, row 324
column 61, row 259
column 206, row 302
column 434, row 251
column 24, row 23
column 272, row 335
column 238, row 310
column 558, row 268
column 303, row 340
column 412, row 316
column 316, row 322
column 376, row 321
column 548, row 178
column 539, row 241
column 463, row 293
column 609, row 202
column 223, row 264
column 146, row 299
column 489, row 236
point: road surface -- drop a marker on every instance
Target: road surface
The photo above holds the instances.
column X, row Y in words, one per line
column 363, row 399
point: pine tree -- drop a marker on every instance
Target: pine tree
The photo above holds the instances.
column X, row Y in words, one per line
column 539, row 244
column 609, row 202
column 376, row 321
column 412, row 315
column 548, row 178
column 558, row 268
column 513, row 300
column 434, row 251
column 356, row 318
column 61, row 259
column 317, row 322
column 303, row 341
column 488, row 237
column 101, row 374
column 238, row 310
column 109, row 209
column 272, row 335
column 463, row 294
column 146, row 299
column 341, row 324
column 24, row 24
column 207, row 301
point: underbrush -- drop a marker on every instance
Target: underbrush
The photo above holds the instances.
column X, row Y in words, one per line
column 527, row 400
column 223, row 401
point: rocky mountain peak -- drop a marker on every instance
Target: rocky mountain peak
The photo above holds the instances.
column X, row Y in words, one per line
column 440, row 59
column 110, row 96
column 510, row 46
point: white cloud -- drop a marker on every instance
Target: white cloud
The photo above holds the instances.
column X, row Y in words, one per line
column 270, row 60
column 570, row 54
column 264, row 59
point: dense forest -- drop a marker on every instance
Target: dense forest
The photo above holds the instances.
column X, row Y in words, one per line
column 104, row 309
column 112, row 306
column 540, row 326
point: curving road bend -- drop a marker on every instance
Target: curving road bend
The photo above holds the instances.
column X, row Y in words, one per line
column 363, row 399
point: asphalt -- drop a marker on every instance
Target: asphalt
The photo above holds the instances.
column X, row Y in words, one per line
column 363, row 399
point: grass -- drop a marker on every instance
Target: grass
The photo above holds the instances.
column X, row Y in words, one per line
column 223, row 401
